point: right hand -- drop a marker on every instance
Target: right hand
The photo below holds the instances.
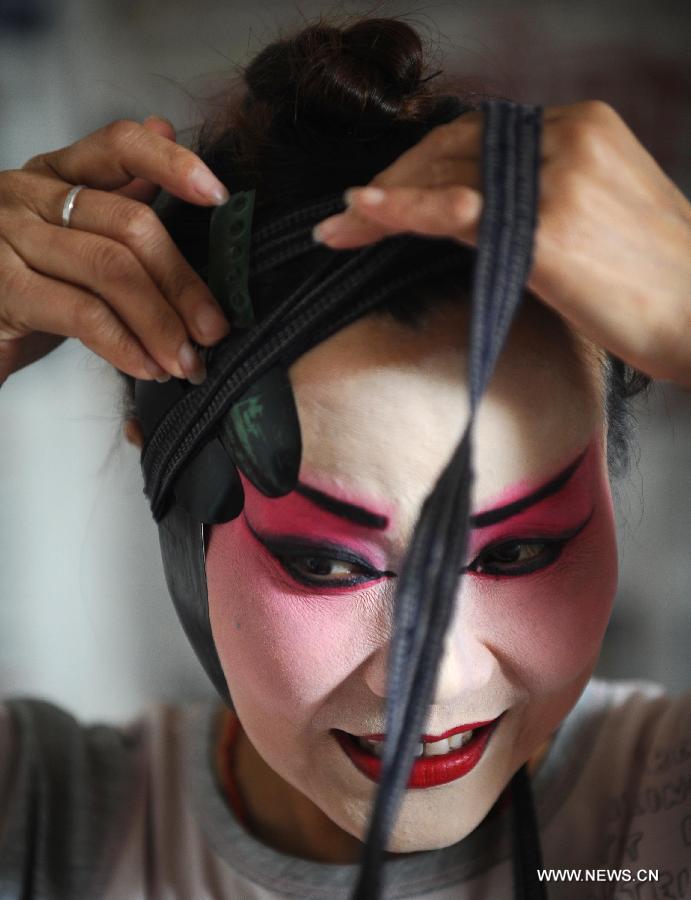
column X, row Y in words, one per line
column 114, row 279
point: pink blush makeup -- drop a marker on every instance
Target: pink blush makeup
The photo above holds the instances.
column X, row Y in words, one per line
column 559, row 511
column 306, row 641
column 551, row 621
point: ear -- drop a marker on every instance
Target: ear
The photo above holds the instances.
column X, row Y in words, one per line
column 133, row 432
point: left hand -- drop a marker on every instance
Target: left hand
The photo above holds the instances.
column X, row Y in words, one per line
column 612, row 247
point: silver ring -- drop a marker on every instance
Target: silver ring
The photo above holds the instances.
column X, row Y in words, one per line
column 68, row 205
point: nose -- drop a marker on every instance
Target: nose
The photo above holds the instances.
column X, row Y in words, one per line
column 468, row 666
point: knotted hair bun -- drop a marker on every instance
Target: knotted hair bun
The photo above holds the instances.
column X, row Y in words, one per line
column 326, row 107
column 343, row 81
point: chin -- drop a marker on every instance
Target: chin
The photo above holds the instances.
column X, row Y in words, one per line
column 404, row 842
column 428, row 829
column 422, row 822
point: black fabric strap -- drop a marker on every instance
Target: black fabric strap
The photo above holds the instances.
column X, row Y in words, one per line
column 527, row 856
column 428, row 583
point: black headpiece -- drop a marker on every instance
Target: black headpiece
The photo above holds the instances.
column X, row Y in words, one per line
column 244, row 416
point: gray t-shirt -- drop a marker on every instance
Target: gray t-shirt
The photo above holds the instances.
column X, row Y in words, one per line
column 136, row 812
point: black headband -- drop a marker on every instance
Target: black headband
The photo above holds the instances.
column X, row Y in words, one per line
column 428, row 584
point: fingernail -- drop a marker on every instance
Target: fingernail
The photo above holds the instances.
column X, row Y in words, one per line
column 192, row 366
column 211, row 323
column 206, row 183
column 327, row 229
column 370, row 196
column 153, row 368
column 164, row 379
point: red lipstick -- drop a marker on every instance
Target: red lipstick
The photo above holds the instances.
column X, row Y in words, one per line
column 426, row 771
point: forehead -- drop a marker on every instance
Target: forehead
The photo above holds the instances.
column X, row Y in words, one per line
column 382, row 406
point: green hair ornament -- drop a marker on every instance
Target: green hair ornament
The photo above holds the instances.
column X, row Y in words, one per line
column 229, row 258
column 261, row 431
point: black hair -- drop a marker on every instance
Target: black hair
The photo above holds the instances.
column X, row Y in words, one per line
column 324, row 108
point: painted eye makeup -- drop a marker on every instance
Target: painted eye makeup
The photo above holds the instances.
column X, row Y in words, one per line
column 320, row 564
column 521, row 556
column 324, row 567
column 327, row 565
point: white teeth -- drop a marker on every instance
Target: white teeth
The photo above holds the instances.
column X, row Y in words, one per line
column 458, row 740
column 430, row 748
column 437, row 748
column 376, row 747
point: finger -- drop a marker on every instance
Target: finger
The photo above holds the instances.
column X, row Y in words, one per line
column 458, row 140
column 67, row 310
column 112, row 272
column 348, row 230
column 359, row 226
column 450, row 212
column 139, row 188
column 451, row 153
column 115, row 154
column 138, row 228
column 447, row 155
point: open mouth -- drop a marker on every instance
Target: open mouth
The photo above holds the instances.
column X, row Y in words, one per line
column 437, row 761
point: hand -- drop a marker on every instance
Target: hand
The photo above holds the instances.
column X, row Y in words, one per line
column 612, row 250
column 114, row 279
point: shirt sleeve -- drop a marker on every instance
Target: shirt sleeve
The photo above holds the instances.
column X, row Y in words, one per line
column 65, row 792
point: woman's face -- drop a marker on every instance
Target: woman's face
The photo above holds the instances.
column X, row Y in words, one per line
column 301, row 589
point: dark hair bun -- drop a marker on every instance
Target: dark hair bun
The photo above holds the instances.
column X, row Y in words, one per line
column 351, row 80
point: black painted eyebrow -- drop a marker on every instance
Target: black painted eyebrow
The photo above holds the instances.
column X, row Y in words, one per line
column 553, row 486
column 349, row 511
column 361, row 516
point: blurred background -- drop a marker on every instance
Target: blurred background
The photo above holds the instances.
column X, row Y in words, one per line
column 85, row 618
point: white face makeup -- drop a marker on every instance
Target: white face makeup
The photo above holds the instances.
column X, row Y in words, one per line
column 303, row 635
